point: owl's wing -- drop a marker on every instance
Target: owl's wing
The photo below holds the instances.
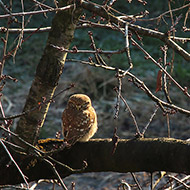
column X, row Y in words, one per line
column 77, row 127
column 65, row 123
column 74, row 136
column 92, row 127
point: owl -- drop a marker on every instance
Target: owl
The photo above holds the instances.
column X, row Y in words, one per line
column 79, row 120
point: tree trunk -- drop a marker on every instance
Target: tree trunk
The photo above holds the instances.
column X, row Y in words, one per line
column 48, row 72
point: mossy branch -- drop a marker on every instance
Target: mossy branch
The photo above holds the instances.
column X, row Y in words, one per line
column 135, row 155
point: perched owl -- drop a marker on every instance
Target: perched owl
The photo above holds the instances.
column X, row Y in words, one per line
column 79, row 120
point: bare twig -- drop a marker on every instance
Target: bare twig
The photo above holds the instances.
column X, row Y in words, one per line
column 150, row 120
column 136, row 181
column 5, row 41
column 179, row 181
column 38, row 106
column 25, row 30
column 37, row 12
column 100, row 10
column 116, row 114
column 7, row 11
column 118, row 90
column 20, row 38
column 186, row 17
column 14, row 187
column 2, row 111
column 126, row 33
column 165, row 13
column 124, row 185
column 164, row 49
column 127, row 49
column 156, row 63
column 42, row 4
column 141, row 30
column 138, row 133
column 168, row 125
column 98, row 58
column 12, row 159
column 75, row 51
column 89, row 24
column 52, row 167
column 141, row 85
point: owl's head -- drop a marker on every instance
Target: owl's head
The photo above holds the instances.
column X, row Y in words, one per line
column 79, row 102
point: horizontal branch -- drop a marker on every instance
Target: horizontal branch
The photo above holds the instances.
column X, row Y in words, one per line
column 134, row 155
column 84, row 24
column 89, row 24
column 99, row 51
column 25, row 30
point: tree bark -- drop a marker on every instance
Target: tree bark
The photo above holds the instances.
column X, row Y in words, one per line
column 134, row 155
column 48, row 72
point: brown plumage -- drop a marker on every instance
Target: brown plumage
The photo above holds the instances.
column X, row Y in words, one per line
column 79, row 120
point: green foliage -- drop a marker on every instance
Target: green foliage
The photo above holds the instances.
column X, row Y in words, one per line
column 182, row 73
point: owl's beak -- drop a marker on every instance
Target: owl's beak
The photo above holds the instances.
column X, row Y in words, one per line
column 78, row 107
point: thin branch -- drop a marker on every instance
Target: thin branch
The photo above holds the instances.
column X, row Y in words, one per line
column 7, row 11
column 98, row 58
column 56, row 173
column 89, row 24
column 164, row 49
column 124, row 185
column 136, row 181
column 112, row 26
column 150, row 120
column 165, row 13
column 75, row 51
column 20, row 38
column 138, row 134
column 141, row 85
column 37, row 12
column 25, row 30
column 186, row 17
column 168, row 124
column 12, row 159
column 156, row 63
column 42, row 4
column 179, row 181
column 100, row 10
column 118, row 91
column 14, row 187
column 115, row 137
column 5, row 41
column 38, row 106
column 127, row 48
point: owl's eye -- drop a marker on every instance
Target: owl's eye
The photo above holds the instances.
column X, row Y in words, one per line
column 85, row 106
